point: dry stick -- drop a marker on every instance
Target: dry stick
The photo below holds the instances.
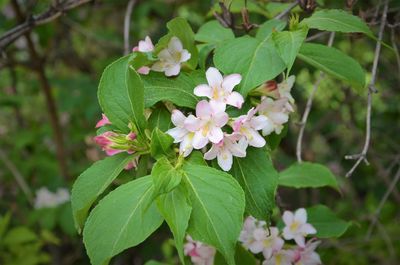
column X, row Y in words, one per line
column 127, row 21
column 287, row 10
column 50, row 102
column 371, row 89
column 52, row 13
column 309, row 105
column 382, row 203
column 17, row 175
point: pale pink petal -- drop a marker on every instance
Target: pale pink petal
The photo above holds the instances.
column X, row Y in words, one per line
column 225, row 160
column 267, row 253
column 185, row 56
column 212, row 153
column 308, row 229
column 220, row 118
column 158, row 66
column 177, row 133
column 104, row 121
column 199, row 140
column 279, row 117
column 215, row 135
column 259, row 234
column 287, row 234
column 256, row 247
column 230, row 81
column 300, row 216
column 258, row 122
column 165, row 55
column 235, row 99
column 268, row 128
column 111, row 152
column 186, row 146
column 214, row 77
column 177, row 118
column 144, row 70
column 203, row 91
column 192, row 123
column 256, row 139
column 174, row 70
column 203, row 109
column 288, row 218
column 146, row 45
column 135, row 49
column 217, row 105
column 300, row 241
column 175, row 45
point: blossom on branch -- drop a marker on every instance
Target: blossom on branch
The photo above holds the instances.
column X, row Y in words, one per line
column 199, row 253
column 180, row 133
column 296, row 226
column 104, row 121
column 145, row 45
column 248, row 125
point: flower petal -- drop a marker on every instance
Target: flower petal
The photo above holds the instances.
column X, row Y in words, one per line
column 203, row 91
column 173, row 70
column 165, row 55
column 258, row 122
column 288, row 218
column 230, row 81
column 144, row 70
column 199, row 141
column 300, row 216
column 177, row 118
column 225, row 160
column 215, row 135
column 308, row 229
column 186, row 146
column 300, row 240
column 158, row 66
column 212, row 153
column 145, row 45
column 192, row 123
column 214, row 77
column 217, row 105
column 220, row 118
column 235, row 99
column 177, row 133
column 203, row 109
column 175, row 45
column 185, row 56
column 255, row 139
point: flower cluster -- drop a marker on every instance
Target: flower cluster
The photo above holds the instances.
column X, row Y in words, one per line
column 47, row 199
column 169, row 60
column 257, row 238
column 206, row 126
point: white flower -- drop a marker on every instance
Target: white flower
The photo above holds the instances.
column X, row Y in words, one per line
column 207, row 125
column 220, row 89
column 47, row 199
column 180, row 133
column 247, row 125
column 231, row 145
column 285, row 88
column 282, row 257
column 272, row 243
column 296, row 226
column 307, row 255
column 253, row 234
column 276, row 114
column 171, row 58
column 199, row 253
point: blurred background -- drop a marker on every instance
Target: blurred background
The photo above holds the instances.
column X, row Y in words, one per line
column 48, row 110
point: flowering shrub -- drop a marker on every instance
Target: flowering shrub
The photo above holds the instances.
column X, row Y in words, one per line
column 197, row 135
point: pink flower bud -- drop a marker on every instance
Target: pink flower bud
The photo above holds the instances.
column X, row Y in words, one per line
column 131, row 136
column 105, row 142
column 104, row 121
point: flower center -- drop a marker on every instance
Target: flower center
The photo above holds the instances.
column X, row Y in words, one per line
column 294, row 226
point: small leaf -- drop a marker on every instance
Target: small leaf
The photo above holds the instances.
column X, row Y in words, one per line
column 122, row 219
column 92, row 182
column 121, row 95
column 160, row 118
column 288, row 44
column 213, row 32
column 217, row 208
column 259, row 180
column 307, row 175
column 165, row 176
column 161, row 144
column 337, row 20
column 175, row 209
column 196, row 157
column 326, row 222
column 270, row 26
column 256, row 60
column 333, row 62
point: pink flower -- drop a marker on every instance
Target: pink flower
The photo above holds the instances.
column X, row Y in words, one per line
column 226, row 149
column 296, row 226
column 132, row 164
column 307, row 255
column 247, row 125
column 106, row 143
column 171, row 58
column 180, row 133
column 281, row 257
column 104, row 121
column 253, row 234
column 220, row 89
column 207, row 124
column 199, row 253
column 276, row 114
column 272, row 243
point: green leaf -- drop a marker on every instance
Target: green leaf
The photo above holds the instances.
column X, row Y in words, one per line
column 204, row 52
column 175, row 209
column 326, row 222
column 122, row 219
column 213, row 32
column 333, row 62
column 19, row 235
column 307, row 175
column 268, row 27
column 165, row 176
column 259, row 180
column 217, row 208
column 121, row 95
column 92, row 182
column 160, row 118
column 242, row 256
column 256, row 60
column 196, row 157
column 178, row 90
column 161, row 144
column 337, row 20
column 288, row 44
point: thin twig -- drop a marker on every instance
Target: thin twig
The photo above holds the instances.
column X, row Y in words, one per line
column 17, row 175
column 287, row 10
column 317, row 35
column 127, row 23
column 382, row 203
column 52, row 13
column 395, row 48
column 309, row 105
column 371, row 89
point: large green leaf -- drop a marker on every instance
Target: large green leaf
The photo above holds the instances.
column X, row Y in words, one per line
column 337, row 20
column 242, row 256
column 121, row 95
column 268, row 27
column 176, row 210
column 326, row 222
column 217, row 207
column 122, row 219
column 333, row 62
column 178, row 90
column 92, row 182
column 288, row 44
column 213, row 32
column 259, row 180
column 165, row 176
column 307, row 175
column 256, row 60
column 160, row 118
